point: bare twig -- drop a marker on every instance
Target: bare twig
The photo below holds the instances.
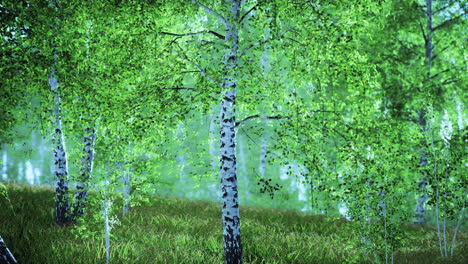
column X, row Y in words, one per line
column 248, row 136
column 423, row 32
column 247, row 13
column 412, row 48
column 211, row 11
column 194, row 34
column 441, row 9
column 293, row 40
column 439, row 73
column 442, row 50
column 264, row 117
column 447, row 22
column 200, row 69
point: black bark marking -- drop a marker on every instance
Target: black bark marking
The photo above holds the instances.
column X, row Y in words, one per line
column 226, row 158
column 228, row 99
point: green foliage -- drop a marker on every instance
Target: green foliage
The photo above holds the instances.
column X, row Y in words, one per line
column 348, row 84
column 4, row 195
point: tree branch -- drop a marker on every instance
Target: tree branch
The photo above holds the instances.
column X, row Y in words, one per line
column 449, row 81
column 447, row 22
column 180, row 88
column 293, row 40
column 247, row 13
column 200, row 69
column 263, row 42
column 248, row 136
column 259, row 116
column 442, row 50
column 423, row 32
column 211, row 11
column 193, row 34
column 410, row 47
column 441, row 9
column 439, row 73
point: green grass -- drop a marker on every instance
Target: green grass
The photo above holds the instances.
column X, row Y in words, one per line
column 181, row 231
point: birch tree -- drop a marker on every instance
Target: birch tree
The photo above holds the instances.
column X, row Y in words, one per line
column 62, row 206
column 85, row 173
column 431, row 72
column 224, row 72
column 230, row 212
column 5, row 255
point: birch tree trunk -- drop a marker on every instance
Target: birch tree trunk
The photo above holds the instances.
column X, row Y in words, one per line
column 126, row 192
column 5, row 255
column 86, row 172
column 106, row 204
column 212, row 138
column 181, row 161
column 62, row 208
column 263, row 154
column 420, row 210
column 230, row 211
column 126, row 189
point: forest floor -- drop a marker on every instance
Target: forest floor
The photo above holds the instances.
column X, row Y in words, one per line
column 182, row 231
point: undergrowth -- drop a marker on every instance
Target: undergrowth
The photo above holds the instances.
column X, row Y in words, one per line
column 181, row 231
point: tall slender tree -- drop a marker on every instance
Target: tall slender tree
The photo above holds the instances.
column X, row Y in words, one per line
column 86, row 169
column 5, row 254
column 230, row 212
column 62, row 206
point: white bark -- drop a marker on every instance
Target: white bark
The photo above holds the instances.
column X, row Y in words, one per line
column 4, row 165
column 460, row 111
column 5, row 255
column 86, row 172
column 126, row 192
column 181, row 161
column 126, row 181
column 21, row 177
column 263, row 155
column 230, row 211
column 62, row 208
column 460, row 217
column 105, row 211
column 419, row 212
column 266, row 67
